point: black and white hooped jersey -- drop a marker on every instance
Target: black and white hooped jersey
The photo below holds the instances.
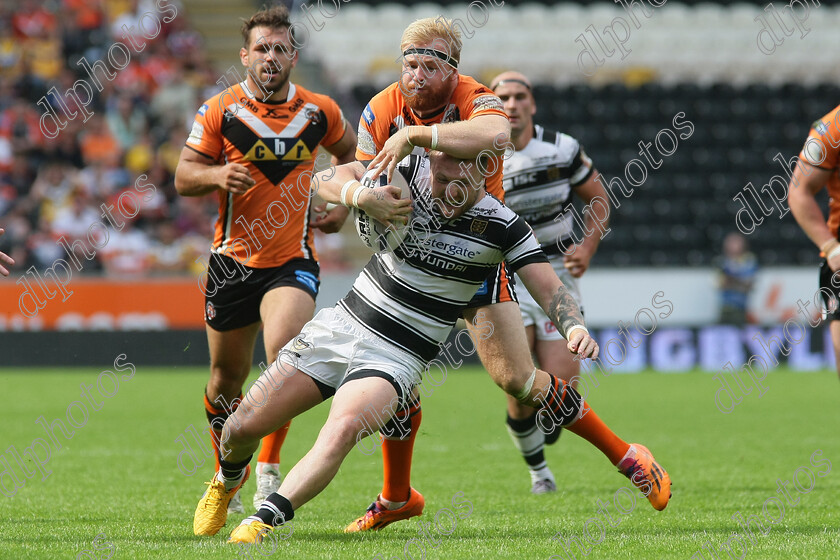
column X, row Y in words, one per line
column 538, row 182
column 412, row 295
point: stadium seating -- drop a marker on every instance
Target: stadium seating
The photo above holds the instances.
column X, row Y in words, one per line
column 697, row 42
column 699, row 58
column 675, row 217
column 551, row 3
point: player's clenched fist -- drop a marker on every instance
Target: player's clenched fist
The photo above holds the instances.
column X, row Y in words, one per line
column 578, row 262
column 234, row 178
column 582, row 344
column 329, row 221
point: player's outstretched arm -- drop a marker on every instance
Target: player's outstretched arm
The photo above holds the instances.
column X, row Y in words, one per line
column 806, row 182
column 341, row 185
column 462, row 139
column 550, row 292
column 5, row 259
column 197, row 175
column 593, row 195
column 343, row 151
column 328, row 183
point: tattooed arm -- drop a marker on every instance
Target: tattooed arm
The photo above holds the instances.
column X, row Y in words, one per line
column 564, row 311
column 547, row 289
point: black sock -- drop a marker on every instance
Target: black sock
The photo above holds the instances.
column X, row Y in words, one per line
column 275, row 510
column 233, row 471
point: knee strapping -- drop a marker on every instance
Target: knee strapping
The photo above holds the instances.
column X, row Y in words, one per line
column 523, row 393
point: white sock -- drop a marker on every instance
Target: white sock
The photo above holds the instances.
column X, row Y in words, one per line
column 541, row 474
column 391, row 505
column 631, row 453
column 273, row 468
column 230, row 484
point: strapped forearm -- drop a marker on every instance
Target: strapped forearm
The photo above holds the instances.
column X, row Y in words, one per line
column 333, row 182
column 464, row 139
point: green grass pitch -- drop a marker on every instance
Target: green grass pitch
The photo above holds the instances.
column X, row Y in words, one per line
column 118, row 476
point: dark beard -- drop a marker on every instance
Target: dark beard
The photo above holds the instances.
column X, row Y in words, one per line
column 264, row 91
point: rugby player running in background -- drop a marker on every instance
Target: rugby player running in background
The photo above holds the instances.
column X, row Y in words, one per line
column 253, row 145
column 540, row 180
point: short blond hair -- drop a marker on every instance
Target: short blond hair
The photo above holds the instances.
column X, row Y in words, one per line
column 433, row 30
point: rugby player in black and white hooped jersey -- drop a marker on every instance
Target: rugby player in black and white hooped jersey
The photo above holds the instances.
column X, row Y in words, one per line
column 433, row 106
column 371, row 349
column 541, row 178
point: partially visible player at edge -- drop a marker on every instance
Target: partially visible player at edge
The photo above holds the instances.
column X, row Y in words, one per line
column 540, row 180
column 254, row 146
column 372, row 360
column 5, row 259
column 434, row 107
column 817, row 168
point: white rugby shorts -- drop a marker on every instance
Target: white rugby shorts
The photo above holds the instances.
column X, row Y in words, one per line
column 334, row 345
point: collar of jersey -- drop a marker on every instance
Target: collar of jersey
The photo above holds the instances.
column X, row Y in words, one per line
column 289, row 96
column 434, row 115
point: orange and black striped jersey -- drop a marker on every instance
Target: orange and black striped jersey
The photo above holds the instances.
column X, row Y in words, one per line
column 822, row 149
column 269, row 224
column 387, row 113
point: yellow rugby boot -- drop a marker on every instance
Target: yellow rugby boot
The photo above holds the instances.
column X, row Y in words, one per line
column 211, row 513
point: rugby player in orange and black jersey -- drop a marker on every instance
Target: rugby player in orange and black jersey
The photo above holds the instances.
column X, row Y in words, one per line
column 818, row 168
column 456, row 115
column 432, row 106
column 254, row 145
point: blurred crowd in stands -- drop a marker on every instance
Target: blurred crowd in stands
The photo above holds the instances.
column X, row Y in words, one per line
column 51, row 188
